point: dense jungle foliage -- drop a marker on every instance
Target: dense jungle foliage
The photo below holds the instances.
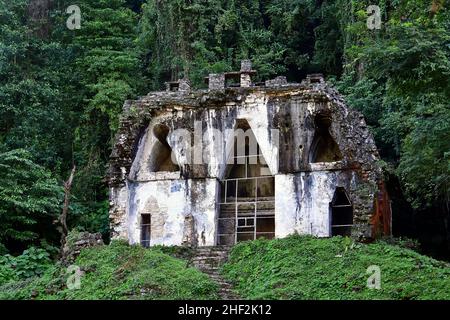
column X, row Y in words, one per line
column 62, row 90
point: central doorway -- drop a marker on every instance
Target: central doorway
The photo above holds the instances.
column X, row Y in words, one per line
column 247, row 199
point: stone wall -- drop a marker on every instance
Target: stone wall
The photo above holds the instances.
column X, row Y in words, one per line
column 181, row 210
column 282, row 116
column 77, row 241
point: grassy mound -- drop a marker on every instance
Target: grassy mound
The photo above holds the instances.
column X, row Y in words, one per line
column 291, row 268
column 309, row 268
column 117, row 271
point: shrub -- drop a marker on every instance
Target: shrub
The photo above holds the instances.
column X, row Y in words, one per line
column 32, row 262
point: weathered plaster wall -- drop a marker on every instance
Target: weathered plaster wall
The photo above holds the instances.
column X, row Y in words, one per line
column 172, row 203
column 302, row 201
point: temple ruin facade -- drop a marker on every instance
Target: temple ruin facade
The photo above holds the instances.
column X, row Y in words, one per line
column 241, row 160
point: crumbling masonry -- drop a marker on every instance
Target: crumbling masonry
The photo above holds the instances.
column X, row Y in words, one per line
column 315, row 170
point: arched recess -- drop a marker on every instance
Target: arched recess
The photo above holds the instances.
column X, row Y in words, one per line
column 247, row 195
column 323, row 147
column 161, row 152
column 341, row 211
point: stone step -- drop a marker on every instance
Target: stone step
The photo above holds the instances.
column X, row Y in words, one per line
column 209, row 251
column 207, row 263
column 209, row 260
column 211, row 254
column 225, row 285
column 199, row 252
column 208, row 270
column 213, row 247
column 207, row 266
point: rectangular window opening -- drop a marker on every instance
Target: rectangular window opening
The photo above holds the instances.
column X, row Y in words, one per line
column 145, row 229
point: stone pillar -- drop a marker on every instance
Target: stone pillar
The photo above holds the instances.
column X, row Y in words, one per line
column 246, row 66
column 185, row 85
column 216, row 81
column 246, row 80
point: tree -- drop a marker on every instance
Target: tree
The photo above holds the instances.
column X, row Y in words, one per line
column 193, row 38
column 30, row 198
column 404, row 69
column 106, row 71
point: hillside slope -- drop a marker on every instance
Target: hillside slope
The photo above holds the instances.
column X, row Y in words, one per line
column 296, row 267
column 118, row 271
column 335, row 268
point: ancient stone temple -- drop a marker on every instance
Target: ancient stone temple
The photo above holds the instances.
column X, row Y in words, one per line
column 243, row 160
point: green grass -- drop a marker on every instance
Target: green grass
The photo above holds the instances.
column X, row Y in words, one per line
column 301, row 267
column 118, row 271
column 296, row 267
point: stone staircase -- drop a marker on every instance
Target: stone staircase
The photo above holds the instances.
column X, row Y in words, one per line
column 209, row 260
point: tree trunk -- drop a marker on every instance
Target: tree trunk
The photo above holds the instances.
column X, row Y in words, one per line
column 63, row 217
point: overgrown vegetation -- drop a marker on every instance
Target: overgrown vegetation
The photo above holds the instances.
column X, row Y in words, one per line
column 301, row 267
column 61, row 91
column 297, row 267
column 117, row 271
column 29, row 198
column 31, row 263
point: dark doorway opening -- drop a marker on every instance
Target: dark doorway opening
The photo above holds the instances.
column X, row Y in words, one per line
column 145, row 229
column 341, row 214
